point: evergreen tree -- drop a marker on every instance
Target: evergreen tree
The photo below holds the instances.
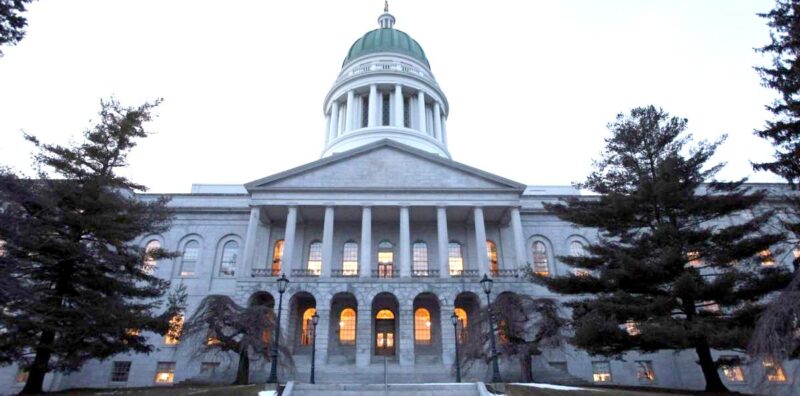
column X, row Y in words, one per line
column 676, row 262
column 12, row 23
column 75, row 287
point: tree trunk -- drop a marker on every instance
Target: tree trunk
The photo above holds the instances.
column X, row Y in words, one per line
column 713, row 382
column 40, row 365
column 525, row 365
column 243, row 371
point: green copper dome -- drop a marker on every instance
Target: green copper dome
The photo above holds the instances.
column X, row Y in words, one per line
column 386, row 40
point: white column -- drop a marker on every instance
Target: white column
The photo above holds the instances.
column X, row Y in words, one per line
column 250, row 242
column 437, row 121
column 323, row 331
column 444, row 241
column 372, row 117
column 334, row 126
column 519, row 238
column 327, row 242
column 480, row 242
column 351, row 106
column 421, row 111
column 398, row 106
column 288, row 241
column 444, row 130
column 448, row 335
column 365, row 261
column 327, row 128
column 405, row 243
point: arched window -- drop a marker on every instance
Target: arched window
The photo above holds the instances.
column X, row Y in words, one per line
column 385, row 314
column 491, row 253
column 230, row 253
column 540, row 260
column 462, row 324
column 347, row 326
column 315, row 258
column 576, row 249
column 455, row 258
column 422, row 326
column 191, row 253
column 277, row 257
column 385, row 259
column 350, row 259
column 149, row 263
column 308, row 327
column 419, row 254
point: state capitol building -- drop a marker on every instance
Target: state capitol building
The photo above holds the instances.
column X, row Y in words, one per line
column 384, row 237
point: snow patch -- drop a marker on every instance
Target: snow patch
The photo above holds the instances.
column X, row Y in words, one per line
column 268, row 393
column 555, row 387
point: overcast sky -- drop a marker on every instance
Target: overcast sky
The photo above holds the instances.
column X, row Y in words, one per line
column 531, row 84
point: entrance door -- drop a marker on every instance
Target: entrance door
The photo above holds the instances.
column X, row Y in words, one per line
column 384, row 333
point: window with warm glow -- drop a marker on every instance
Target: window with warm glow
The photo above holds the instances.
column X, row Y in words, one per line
column 384, row 314
column 175, row 327
column 350, row 259
column 211, row 338
column 455, row 258
column 22, row 375
column 132, row 332
column 694, row 259
column 632, row 328
column 773, row 370
column 580, row 272
column 277, row 257
column 308, row 327
column 540, row 261
column 644, row 371
column 149, row 263
column 601, row 371
column 767, row 260
column 419, row 253
column 191, row 254
column 385, row 259
column 230, row 252
column 422, row 326
column 462, row 324
column 347, row 326
column 315, row 258
column 733, row 372
column 491, row 255
column 165, row 372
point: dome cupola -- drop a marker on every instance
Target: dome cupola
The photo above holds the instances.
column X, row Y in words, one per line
column 386, row 90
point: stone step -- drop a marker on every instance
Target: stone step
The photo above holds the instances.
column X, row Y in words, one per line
column 433, row 389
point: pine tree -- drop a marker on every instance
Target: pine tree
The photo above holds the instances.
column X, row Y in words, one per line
column 12, row 23
column 75, row 287
column 672, row 268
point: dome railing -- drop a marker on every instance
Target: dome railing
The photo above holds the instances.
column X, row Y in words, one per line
column 380, row 66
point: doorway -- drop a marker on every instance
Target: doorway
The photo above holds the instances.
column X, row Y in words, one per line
column 384, row 333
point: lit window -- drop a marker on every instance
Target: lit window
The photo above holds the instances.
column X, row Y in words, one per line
column 229, row 254
column 422, row 326
column 540, row 260
column 733, row 372
column 191, row 253
column 419, row 253
column 773, row 370
column 2, row 248
column 632, row 328
column 384, row 314
column 491, row 253
column 795, row 251
column 455, row 258
column 315, row 258
column 208, row 368
column 601, row 371
column 22, row 375
column 350, row 259
column 645, row 372
column 308, row 327
column 277, row 257
column 149, row 263
column 165, row 372
column 132, row 332
column 694, row 259
column 709, row 306
column 120, row 371
column 174, row 333
column 767, row 260
column 347, row 326
column 580, row 272
column 385, row 259
column 211, row 338
column 462, row 323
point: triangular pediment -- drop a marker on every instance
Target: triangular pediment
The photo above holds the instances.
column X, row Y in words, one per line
column 385, row 165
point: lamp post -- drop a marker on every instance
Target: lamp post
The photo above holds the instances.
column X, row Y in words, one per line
column 273, row 371
column 486, row 284
column 314, row 321
column 454, row 319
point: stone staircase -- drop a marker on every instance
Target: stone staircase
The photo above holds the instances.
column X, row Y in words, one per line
column 442, row 389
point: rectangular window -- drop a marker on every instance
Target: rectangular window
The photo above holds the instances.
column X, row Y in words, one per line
column 774, row 371
column 733, row 372
column 364, row 111
column 645, row 372
column 420, row 259
column 165, row 372
column 386, row 110
column 455, row 258
column 601, row 371
column 315, row 258
column 350, row 259
column 120, row 371
column 208, row 368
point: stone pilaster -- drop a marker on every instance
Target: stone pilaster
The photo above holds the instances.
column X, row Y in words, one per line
column 405, row 243
column 327, row 242
column 444, row 241
column 405, row 334
column 363, row 334
column 365, row 261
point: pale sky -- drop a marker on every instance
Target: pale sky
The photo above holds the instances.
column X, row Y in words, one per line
column 531, row 84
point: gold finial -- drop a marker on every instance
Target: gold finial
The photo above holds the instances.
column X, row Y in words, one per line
column 386, row 6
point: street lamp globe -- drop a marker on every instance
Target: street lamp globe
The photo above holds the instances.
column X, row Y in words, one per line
column 486, row 284
column 315, row 319
column 454, row 319
column 283, row 282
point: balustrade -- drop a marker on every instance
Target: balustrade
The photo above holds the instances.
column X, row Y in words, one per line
column 264, row 272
